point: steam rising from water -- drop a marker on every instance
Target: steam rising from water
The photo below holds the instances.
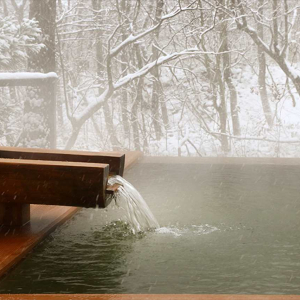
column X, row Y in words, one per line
column 139, row 215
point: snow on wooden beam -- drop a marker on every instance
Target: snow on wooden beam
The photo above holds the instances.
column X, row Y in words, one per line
column 26, row 78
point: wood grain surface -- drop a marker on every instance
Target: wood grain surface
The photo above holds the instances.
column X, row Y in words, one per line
column 149, row 297
column 53, row 183
column 116, row 160
column 16, row 243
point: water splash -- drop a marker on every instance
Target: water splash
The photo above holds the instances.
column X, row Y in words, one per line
column 139, row 215
column 170, row 231
column 204, row 229
column 194, row 230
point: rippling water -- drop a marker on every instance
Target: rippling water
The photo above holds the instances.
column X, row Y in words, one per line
column 224, row 229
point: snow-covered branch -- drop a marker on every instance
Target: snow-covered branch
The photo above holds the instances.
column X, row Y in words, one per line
column 273, row 50
column 147, row 68
column 133, row 38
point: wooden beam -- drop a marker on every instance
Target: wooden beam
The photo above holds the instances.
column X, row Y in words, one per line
column 115, row 160
column 53, row 183
column 110, row 190
column 149, row 297
column 14, row 214
column 15, row 244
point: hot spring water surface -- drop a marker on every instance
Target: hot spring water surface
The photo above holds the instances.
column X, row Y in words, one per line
column 224, row 229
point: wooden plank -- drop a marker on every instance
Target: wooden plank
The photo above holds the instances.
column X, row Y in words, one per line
column 110, row 190
column 16, row 243
column 14, row 214
column 132, row 157
column 116, row 160
column 149, row 297
column 53, row 183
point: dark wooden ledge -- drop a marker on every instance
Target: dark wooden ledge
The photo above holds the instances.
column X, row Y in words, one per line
column 149, row 297
column 16, row 243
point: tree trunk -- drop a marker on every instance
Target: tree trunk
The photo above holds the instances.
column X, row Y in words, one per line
column 233, row 94
column 164, row 109
column 134, row 117
column 97, row 4
column 228, row 79
column 222, row 108
column 138, row 99
column 4, row 7
column 124, row 64
column 163, row 105
column 39, row 100
column 45, row 13
column 262, row 71
column 155, row 72
column 110, row 127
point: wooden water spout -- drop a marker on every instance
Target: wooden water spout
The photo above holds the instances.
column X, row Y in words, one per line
column 53, row 177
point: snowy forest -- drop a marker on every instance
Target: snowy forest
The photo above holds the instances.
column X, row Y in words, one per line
column 165, row 77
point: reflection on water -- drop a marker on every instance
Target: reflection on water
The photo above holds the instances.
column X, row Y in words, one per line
column 75, row 260
column 224, row 229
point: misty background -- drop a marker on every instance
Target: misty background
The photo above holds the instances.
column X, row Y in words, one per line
column 166, row 77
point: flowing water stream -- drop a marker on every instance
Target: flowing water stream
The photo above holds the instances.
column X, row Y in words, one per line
column 139, row 216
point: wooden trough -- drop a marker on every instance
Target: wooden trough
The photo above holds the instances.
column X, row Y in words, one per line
column 53, row 177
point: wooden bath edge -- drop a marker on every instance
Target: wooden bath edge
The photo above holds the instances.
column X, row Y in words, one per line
column 148, row 297
column 15, row 244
